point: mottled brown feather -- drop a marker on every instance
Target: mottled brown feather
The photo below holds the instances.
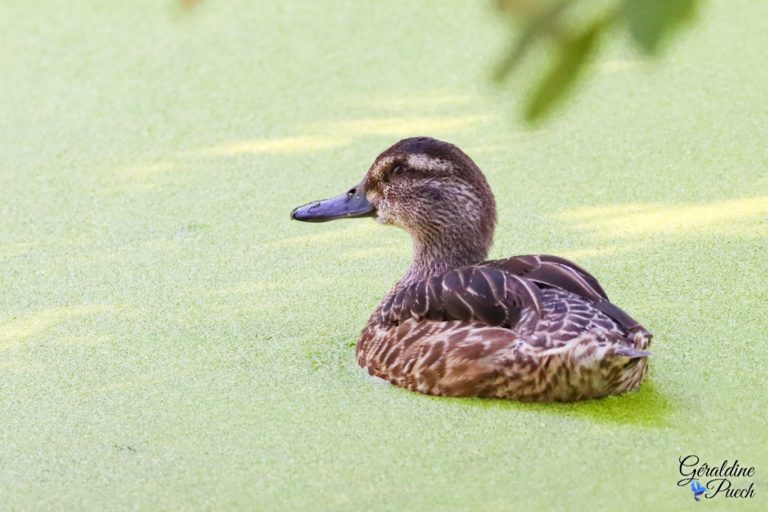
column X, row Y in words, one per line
column 533, row 328
column 487, row 295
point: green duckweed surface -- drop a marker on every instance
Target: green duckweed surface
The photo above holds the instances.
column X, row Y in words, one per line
column 169, row 340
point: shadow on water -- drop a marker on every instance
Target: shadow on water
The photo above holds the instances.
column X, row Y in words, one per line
column 647, row 407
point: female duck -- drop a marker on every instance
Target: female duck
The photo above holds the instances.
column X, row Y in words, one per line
column 532, row 328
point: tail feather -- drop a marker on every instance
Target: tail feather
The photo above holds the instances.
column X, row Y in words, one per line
column 631, row 353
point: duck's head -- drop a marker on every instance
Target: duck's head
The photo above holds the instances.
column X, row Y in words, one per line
column 430, row 188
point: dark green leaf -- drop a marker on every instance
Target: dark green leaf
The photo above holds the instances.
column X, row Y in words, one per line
column 652, row 21
column 558, row 81
column 538, row 26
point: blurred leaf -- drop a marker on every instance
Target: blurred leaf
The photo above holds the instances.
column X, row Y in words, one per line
column 652, row 21
column 560, row 79
column 189, row 4
column 539, row 25
column 519, row 7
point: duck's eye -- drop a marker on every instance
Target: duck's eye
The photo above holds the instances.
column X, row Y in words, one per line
column 394, row 171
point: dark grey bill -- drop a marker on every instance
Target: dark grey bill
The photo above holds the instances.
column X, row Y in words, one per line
column 347, row 205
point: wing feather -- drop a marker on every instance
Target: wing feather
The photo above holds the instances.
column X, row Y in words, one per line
column 553, row 271
column 480, row 294
column 497, row 292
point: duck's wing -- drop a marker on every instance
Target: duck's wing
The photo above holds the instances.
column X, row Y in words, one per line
column 556, row 272
column 485, row 294
column 552, row 271
column 497, row 293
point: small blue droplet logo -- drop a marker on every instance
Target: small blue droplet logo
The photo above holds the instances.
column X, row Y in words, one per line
column 698, row 490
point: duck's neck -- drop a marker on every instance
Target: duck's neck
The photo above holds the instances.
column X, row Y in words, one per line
column 431, row 257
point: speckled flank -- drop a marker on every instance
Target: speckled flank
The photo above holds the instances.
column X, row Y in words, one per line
column 550, row 345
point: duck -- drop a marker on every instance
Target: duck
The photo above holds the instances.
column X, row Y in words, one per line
column 532, row 328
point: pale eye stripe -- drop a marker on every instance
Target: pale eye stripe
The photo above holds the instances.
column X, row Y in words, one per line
column 426, row 163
